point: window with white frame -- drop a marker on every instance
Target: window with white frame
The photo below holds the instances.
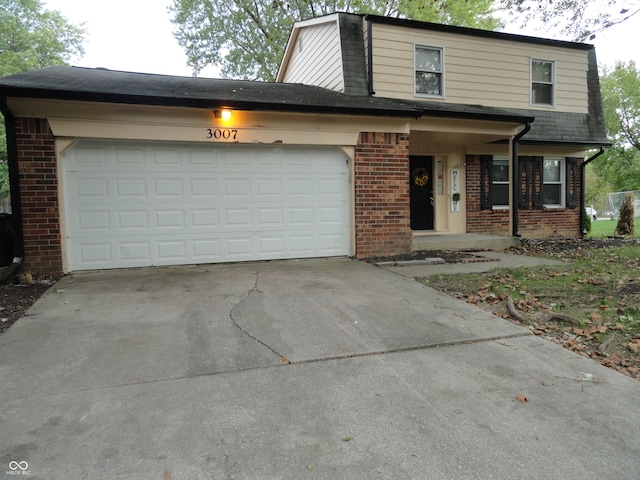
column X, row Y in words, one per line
column 500, row 182
column 429, row 71
column 553, row 182
column 542, row 82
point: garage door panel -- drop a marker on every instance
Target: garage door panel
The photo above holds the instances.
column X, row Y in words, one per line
column 95, row 254
column 167, row 158
column 203, row 188
column 134, row 250
column 127, row 188
column 170, row 219
column 132, row 220
column 130, row 157
column 168, row 187
column 172, row 250
column 88, row 188
column 208, row 218
column 130, row 204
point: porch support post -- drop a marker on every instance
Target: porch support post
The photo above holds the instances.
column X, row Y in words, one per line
column 515, row 180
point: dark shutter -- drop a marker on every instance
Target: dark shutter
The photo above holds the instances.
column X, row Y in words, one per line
column 525, row 167
column 537, row 181
column 572, row 182
column 486, row 182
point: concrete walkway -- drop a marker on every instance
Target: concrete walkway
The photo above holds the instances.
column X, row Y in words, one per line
column 319, row 369
column 496, row 260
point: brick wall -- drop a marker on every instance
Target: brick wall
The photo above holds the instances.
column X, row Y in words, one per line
column 533, row 222
column 490, row 222
column 382, row 215
column 37, row 168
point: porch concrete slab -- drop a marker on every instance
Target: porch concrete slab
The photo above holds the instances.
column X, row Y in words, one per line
column 462, row 241
column 498, row 260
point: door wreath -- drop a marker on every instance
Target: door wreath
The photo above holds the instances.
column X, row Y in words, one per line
column 420, row 177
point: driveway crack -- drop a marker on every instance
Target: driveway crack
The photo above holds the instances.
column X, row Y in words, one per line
column 252, row 291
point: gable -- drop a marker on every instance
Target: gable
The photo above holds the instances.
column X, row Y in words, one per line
column 315, row 57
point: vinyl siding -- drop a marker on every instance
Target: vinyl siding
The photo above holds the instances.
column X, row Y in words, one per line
column 316, row 58
column 478, row 70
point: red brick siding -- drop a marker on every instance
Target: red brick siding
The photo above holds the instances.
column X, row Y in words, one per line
column 490, row 222
column 533, row 222
column 382, row 216
column 37, row 167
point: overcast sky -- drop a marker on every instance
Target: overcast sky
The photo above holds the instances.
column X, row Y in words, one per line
column 135, row 35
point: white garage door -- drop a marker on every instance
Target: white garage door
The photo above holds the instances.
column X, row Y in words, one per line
column 130, row 204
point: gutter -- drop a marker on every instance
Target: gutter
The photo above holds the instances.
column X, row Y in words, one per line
column 14, row 179
column 515, row 176
column 583, row 168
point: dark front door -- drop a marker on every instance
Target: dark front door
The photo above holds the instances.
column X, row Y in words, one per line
column 421, row 179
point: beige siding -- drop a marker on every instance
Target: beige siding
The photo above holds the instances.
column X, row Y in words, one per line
column 478, row 70
column 316, row 58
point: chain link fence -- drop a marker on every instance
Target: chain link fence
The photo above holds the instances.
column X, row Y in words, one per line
column 614, row 202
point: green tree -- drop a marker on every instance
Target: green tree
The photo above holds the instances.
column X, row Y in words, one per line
column 246, row 38
column 31, row 38
column 576, row 19
column 620, row 165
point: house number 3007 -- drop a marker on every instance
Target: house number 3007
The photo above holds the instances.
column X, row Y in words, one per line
column 222, row 133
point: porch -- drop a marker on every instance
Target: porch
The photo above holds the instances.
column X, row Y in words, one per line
column 462, row 241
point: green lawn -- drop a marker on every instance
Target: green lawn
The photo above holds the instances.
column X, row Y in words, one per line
column 605, row 227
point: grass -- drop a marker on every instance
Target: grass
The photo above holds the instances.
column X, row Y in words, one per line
column 599, row 288
column 604, row 227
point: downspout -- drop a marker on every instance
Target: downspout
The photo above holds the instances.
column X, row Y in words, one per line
column 370, row 56
column 583, row 169
column 14, row 178
column 515, row 194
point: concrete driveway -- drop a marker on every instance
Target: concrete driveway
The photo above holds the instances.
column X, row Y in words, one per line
column 319, row 369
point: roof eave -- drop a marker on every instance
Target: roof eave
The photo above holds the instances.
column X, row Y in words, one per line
column 247, row 105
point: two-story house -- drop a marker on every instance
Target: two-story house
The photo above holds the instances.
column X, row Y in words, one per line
column 379, row 135
column 497, row 110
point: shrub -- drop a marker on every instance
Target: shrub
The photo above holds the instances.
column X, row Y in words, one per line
column 625, row 222
column 586, row 222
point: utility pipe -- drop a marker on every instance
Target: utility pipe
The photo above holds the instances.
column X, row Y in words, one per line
column 583, row 169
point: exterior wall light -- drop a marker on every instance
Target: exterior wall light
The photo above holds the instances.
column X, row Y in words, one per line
column 223, row 114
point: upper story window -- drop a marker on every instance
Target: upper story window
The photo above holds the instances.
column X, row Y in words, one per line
column 429, row 71
column 542, row 82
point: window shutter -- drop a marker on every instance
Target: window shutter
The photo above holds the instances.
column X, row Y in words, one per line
column 486, row 182
column 525, row 167
column 572, row 182
column 537, row 179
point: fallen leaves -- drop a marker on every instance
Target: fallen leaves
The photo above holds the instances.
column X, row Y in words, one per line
column 590, row 305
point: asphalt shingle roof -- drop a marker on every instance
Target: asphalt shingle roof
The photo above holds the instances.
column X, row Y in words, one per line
column 101, row 85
